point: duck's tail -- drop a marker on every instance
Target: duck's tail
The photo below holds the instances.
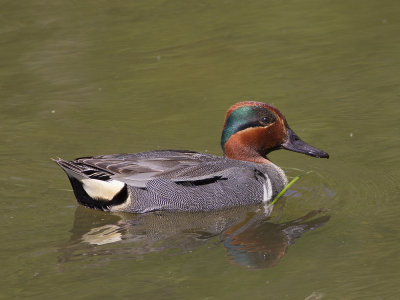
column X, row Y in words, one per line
column 93, row 187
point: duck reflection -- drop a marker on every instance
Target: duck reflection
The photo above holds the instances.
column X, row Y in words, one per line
column 248, row 234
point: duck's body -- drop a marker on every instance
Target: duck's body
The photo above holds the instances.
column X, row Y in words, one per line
column 191, row 181
column 171, row 180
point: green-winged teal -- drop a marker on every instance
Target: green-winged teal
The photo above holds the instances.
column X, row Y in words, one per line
column 191, row 181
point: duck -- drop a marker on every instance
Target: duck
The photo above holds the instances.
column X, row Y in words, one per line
column 184, row 180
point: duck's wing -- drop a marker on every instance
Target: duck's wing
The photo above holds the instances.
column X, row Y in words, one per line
column 139, row 168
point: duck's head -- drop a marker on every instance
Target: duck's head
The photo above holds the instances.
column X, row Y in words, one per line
column 253, row 129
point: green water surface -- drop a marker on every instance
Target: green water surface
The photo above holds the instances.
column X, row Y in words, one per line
column 82, row 78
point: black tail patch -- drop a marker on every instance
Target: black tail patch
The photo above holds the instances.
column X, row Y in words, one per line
column 84, row 199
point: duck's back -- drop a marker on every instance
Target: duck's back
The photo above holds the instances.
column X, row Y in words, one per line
column 172, row 180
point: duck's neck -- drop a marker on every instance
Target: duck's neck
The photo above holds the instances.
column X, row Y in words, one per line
column 239, row 149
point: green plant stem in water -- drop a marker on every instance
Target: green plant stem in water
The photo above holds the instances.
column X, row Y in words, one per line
column 287, row 187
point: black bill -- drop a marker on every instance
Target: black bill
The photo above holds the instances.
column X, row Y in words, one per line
column 294, row 143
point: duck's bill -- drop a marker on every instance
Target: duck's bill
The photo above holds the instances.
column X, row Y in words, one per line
column 294, row 143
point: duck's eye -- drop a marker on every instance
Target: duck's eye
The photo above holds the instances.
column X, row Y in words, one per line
column 266, row 120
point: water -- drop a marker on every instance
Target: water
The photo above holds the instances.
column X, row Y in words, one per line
column 103, row 77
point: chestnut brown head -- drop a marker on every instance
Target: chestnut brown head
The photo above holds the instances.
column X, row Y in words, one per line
column 253, row 129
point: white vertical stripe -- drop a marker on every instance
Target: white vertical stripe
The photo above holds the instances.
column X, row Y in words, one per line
column 267, row 187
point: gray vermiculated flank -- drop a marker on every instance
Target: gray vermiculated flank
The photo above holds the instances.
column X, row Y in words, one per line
column 183, row 180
